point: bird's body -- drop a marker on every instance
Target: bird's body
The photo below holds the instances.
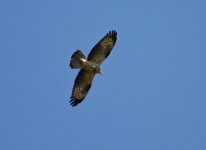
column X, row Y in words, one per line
column 90, row 66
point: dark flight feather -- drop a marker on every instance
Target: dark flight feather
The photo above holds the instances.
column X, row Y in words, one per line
column 81, row 87
column 103, row 48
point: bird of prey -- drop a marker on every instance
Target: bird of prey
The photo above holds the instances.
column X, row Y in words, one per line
column 90, row 66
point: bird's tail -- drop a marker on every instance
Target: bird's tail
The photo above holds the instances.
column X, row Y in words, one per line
column 75, row 59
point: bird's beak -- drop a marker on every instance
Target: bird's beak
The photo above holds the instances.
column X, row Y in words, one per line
column 101, row 72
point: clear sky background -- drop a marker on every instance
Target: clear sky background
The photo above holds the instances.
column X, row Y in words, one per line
column 152, row 95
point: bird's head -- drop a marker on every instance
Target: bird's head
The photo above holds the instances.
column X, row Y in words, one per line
column 98, row 70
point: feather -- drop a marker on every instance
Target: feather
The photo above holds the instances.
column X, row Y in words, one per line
column 103, row 48
column 81, row 87
column 75, row 61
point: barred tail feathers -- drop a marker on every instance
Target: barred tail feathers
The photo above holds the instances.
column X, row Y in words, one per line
column 75, row 59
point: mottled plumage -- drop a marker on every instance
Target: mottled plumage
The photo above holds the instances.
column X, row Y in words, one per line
column 90, row 66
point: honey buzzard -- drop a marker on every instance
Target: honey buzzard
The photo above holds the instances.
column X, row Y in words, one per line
column 90, row 66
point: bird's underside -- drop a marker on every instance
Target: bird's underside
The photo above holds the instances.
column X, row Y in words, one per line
column 89, row 66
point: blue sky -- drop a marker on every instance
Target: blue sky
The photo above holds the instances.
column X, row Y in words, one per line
column 152, row 95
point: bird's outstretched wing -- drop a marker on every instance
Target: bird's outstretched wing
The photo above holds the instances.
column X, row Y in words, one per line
column 81, row 86
column 103, row 48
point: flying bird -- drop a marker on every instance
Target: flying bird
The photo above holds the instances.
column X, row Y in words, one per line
column 90, row 66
